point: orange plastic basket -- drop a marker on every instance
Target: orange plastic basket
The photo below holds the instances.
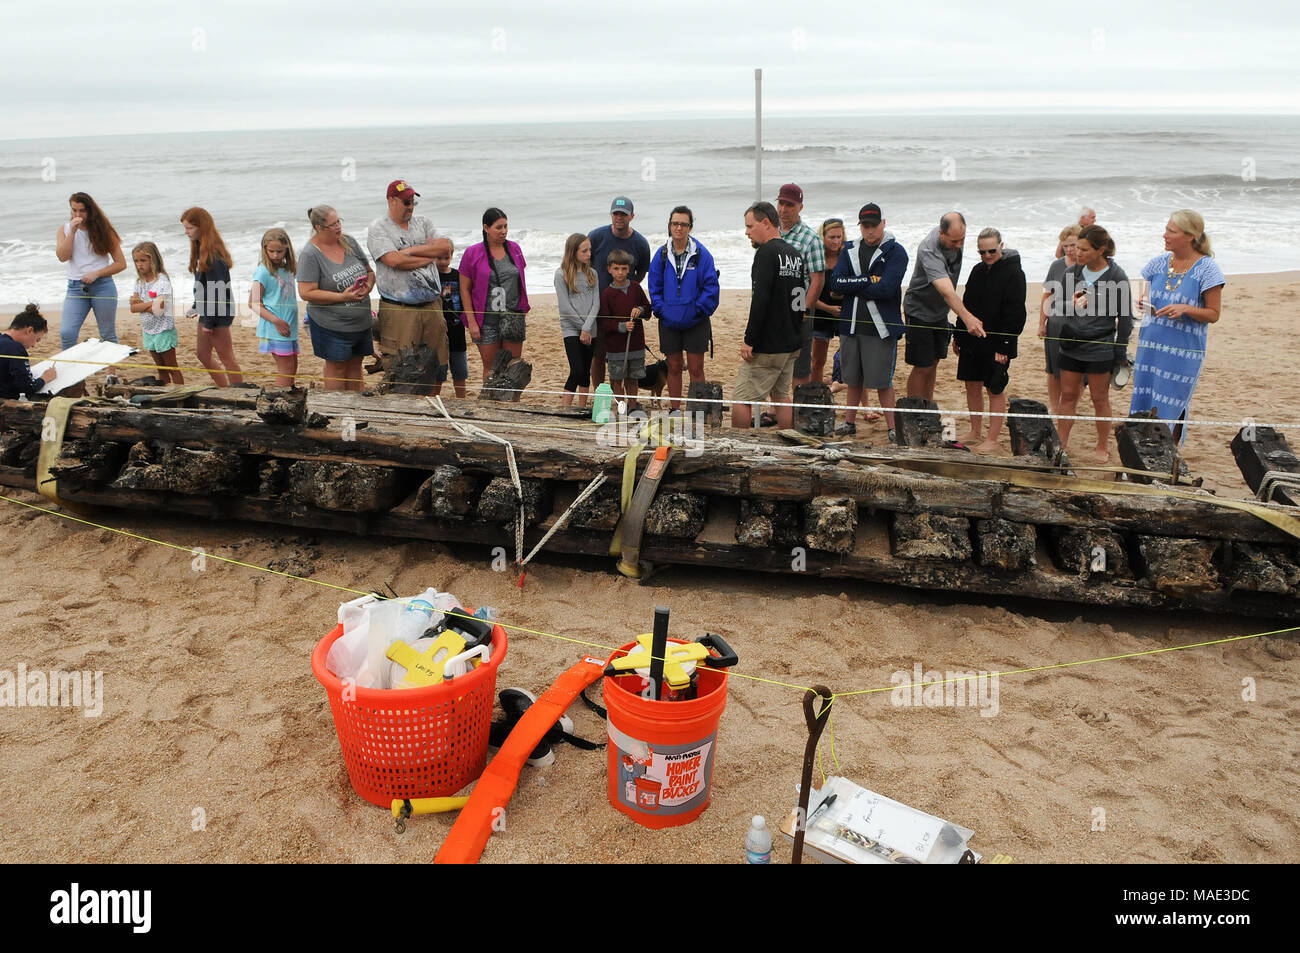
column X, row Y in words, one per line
column 413, row 742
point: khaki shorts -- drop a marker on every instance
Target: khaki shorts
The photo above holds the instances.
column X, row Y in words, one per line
column 406, row 325
column 767, row 375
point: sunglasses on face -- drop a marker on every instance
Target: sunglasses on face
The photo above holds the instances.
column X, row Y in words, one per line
column 988, row 251
column 409, row 202
column 679, row 224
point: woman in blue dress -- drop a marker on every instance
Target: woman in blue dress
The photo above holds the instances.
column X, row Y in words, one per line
column 1184, row 298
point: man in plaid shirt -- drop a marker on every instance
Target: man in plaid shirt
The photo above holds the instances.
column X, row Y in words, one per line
column 789, row 203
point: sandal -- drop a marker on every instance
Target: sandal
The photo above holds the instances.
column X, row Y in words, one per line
column 766, row 420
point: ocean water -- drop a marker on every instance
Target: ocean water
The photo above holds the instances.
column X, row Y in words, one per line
column 1025, row 175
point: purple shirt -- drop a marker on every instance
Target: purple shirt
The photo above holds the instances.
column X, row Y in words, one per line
column 474, row 265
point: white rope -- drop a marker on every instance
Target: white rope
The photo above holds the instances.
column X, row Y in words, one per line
column 587, row 491
column 472, row 430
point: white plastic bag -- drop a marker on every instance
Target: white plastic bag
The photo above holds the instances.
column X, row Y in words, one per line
column 370, row 626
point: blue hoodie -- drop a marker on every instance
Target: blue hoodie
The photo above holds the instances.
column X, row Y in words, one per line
column 879, row 289
column 683, row 301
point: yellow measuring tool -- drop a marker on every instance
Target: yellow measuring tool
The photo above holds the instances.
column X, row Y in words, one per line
column 680, row 660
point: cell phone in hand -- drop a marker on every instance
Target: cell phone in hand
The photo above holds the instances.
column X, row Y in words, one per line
column 359, row 283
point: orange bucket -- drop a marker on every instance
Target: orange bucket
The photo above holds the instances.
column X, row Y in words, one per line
column 661, row 753
column 413, row 742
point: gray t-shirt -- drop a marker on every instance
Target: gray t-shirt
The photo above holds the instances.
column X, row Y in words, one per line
column 409, row 286
column 345, row 317
column 503, row 285
column 923, row 304
column 578, row 309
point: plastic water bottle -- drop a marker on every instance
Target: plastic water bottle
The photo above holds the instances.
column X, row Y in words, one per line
column 486, row 613
column 758, row 842
column 602, row 403
column 418, row 616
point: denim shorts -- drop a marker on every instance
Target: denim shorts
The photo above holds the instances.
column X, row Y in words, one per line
column 491, row 328
column 340, row 345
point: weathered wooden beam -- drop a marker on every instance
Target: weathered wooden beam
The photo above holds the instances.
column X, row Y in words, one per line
column 868, row 561
column 1260, row 451
column 1034, row 436
column 916, row 428
column 1150, row 446
column 777, row 473
column 818, row 421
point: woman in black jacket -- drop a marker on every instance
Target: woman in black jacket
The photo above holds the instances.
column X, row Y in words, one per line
column 1098, row 321
column 995, row 293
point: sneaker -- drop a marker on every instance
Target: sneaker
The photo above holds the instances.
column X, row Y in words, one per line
column 846, row 429
column 893, row 437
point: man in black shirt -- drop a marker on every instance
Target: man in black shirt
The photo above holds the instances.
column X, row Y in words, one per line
column 776, row 311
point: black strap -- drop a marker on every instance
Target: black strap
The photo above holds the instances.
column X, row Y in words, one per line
column 593, row 706
column 601, row 711
column 582, row 744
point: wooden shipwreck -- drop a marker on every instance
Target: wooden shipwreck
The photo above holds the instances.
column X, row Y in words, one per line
column 915, row 515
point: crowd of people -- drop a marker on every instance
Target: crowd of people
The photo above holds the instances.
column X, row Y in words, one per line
column 809, row 286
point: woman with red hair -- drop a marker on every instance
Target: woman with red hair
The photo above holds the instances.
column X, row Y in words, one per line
column 213, row 303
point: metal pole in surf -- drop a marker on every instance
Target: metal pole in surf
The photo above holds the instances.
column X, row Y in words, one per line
column 758, row 135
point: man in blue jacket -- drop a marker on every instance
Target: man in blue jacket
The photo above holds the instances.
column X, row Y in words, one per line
column 869, row 274
column 683, row 295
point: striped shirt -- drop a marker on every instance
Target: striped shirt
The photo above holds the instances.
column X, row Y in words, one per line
column 809, row 245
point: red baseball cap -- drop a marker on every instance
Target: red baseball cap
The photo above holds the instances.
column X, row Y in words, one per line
column 791, row 193
column 399, row 189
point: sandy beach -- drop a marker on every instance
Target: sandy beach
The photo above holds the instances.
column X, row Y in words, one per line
column 216, row 743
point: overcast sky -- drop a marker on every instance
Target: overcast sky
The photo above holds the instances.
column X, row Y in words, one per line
column 87, row 68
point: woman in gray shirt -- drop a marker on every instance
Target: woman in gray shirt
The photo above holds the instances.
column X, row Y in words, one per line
column 577, row 294
column 335, row 279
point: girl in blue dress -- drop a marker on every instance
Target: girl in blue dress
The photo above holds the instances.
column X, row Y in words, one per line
column 1186, row 288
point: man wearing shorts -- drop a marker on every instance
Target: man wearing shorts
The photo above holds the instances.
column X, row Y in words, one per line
column 776, row 314
column 789, row 203
column 869, row 274
column 403, row 246
column 932, row 291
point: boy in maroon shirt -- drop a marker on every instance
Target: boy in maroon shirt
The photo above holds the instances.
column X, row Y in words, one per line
column 623, row 308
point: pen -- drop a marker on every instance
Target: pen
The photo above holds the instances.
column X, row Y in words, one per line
column 826, row 802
